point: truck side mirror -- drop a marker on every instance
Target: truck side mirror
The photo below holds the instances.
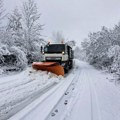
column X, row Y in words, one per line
column 41, row 49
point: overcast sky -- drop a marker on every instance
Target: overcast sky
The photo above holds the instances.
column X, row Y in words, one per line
column 75, row 18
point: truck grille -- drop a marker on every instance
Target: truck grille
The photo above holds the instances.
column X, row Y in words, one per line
column 53, row 58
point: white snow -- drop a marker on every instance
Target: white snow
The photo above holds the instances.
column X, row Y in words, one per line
column 1, row 71
column 21, row 89
column 84, row 94
column 97, row 98
column 44, row 106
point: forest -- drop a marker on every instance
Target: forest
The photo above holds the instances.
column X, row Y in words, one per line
column 102, row 49
column 20, row 37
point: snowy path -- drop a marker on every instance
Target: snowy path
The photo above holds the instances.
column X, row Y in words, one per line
column 81, row 100
column 45, row 103
column 17, row 91
column 86, row 104
column 84, row 94
column 96, row 98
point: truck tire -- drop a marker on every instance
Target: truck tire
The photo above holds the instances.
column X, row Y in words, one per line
column 66, row 70
column 71, row 64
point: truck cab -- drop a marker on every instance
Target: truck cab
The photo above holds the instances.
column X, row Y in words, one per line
column 61, row 53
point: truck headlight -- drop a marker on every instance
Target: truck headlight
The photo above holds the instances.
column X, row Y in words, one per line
column 63, row 52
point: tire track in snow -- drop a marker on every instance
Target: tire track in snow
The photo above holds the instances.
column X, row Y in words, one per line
column 95, row 109
column 18, row 105
column 59, row 110
column 55, row 93
column 81, row 107
column 8, row 87
column 86, row 104
column 23, row 94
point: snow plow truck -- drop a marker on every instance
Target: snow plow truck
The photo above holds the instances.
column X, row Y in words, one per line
column 57, row 58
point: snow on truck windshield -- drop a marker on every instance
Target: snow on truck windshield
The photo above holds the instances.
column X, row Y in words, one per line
column 56, row 48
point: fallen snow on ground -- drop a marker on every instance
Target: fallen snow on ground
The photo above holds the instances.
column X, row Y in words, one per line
column 96, row 96
column 16, row 91
column 91, row 95
column 1, row 71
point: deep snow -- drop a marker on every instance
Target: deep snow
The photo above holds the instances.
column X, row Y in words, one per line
column 16, row 91
column 85, row 93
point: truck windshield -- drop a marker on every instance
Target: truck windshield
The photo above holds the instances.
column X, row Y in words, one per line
column 55, row 48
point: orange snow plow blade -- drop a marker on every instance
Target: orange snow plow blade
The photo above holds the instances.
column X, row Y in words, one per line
column 53, row 67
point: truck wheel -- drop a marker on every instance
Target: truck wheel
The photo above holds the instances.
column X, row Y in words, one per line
column 66, row 70
column 71, row 65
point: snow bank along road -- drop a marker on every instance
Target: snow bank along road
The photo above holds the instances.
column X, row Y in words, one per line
column 17, row 91
column 84, row 94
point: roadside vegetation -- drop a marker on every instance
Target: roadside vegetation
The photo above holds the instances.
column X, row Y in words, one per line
column 20, row 37
column 102, row 49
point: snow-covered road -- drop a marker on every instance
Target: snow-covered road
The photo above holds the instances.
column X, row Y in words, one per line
column 84, row 94
column 17, row 91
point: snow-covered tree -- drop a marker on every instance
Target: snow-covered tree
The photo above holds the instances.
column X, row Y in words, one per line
column 21, row 60
column 103, row 48
column 32, row 27
column 6, row 38
column 3, row 51
column 115, row 35
column 2, row 12
column 15, row 28
column 58, row 37
column 77, row 52
column 14, row 22
column 97, row 47
column 2, row 16
column 114, row 54
column 71, row 43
